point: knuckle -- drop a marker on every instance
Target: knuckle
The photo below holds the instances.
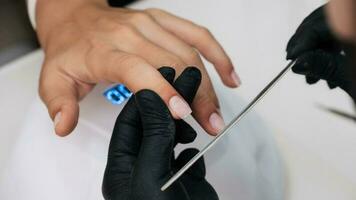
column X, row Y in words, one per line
column 202, row 99
column 129, row 33
column 209, row 101
column 124, row 29
column 174, row 62
column 141, row 17
column 41, row 91
column 92, row 61
column 175, row 65
column 193, row 56
column 204, row 32
column 105, row 23
column 102, row 20
column 129, row 61
column 153, row 10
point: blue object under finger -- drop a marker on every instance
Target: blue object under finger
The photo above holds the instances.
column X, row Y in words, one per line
column 117, row 94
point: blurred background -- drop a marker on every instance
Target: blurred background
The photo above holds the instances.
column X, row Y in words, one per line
column 17, row 36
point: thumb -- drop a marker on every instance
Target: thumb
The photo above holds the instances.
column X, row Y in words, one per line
column 153, row 162
column 61, row 99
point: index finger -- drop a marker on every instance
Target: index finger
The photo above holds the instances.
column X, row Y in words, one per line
column 136, row 74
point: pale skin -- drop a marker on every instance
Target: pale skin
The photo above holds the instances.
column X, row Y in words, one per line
column 88, row 42
column 342, row 18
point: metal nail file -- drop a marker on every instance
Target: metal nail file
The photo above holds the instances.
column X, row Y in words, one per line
column 258, row 98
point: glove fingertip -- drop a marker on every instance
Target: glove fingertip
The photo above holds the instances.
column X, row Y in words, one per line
column 331, row 85
column 168, row 73
column 197, row 170
column 311, row 80
column 185, row 133
column 300, row 67
column 291, row 54
column 193, row 72
column 188, row 83
column 289, row 57
column 289, row 49
column 296, row 51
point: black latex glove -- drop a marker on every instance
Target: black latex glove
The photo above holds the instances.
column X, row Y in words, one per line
column 320, row 55
column 141, row 157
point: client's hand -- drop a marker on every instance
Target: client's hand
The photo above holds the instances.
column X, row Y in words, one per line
column 141, row 153
column 86, row 42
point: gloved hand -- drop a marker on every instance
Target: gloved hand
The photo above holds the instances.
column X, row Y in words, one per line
column 320, row 55
column 141, row 153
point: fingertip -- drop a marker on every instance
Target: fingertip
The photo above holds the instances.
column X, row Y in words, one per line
column 188, row 83
column 294, row 48
column 289, row 56
column 235, row 79
column 180, row 109
column 228, row 74
column 216, row 122
column 210, row 119
column 302, row 65
column 60, row 95
column 311, row 80
column 290, row 46
column 66, row 120
column 230, row 80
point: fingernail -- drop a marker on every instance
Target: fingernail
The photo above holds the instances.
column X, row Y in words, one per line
column 179, row 107
column 217, row 122
column 235, row 78
column 57, row 118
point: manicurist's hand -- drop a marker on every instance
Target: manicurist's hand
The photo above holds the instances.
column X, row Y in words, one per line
column 87, row 42
column 141, row 157
column 319, row 54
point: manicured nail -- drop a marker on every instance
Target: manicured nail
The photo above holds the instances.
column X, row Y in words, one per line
column 235, row 78
column 179, row 107
column 217, row 122
column 57, row 118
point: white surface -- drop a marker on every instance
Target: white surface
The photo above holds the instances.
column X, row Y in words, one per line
column 317, row 147
column 44, row 166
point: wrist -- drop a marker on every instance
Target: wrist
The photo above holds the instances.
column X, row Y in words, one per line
column 53, row 13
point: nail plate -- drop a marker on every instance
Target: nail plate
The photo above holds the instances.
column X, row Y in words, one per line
column 179, row 107
column 217, row 122
column 235, row 78
column 57, row 118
